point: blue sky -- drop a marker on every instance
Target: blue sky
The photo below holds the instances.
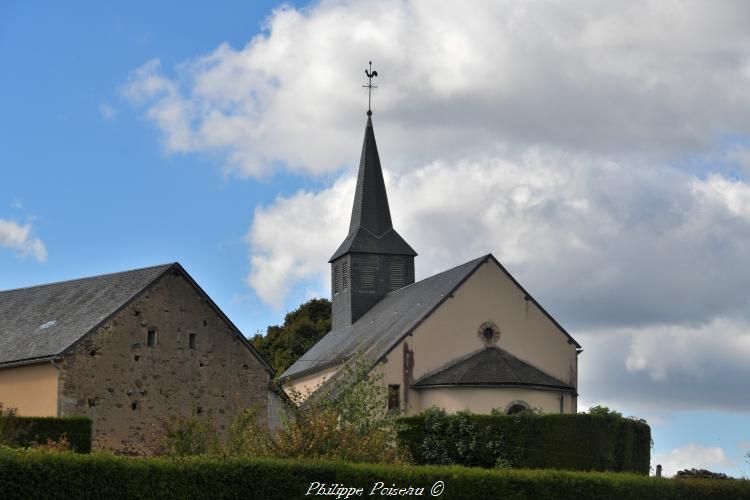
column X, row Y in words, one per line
column 601, row 158
column 102, row 192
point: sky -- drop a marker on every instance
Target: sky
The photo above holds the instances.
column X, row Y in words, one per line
column 600, row 150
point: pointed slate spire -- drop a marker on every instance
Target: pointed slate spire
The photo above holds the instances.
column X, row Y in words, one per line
column 370, row 208
column 374, row 260
column 371, row 229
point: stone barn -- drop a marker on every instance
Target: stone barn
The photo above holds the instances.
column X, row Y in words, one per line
column 127, row 350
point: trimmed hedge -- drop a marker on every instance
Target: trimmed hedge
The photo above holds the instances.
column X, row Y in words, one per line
column 25, row 431
column 530, row 441
column 37, row 475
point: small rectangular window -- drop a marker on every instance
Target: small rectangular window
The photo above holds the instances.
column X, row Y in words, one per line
column 394, row 397
column 151, row 339
column 193, row 341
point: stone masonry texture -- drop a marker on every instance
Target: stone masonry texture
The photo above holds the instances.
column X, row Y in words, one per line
column 129, row 389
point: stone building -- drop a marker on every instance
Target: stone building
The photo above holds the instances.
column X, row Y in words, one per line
column 468, row 338
column 128, row 350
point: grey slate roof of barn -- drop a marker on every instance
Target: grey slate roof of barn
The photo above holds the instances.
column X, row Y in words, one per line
column 371, row 229
column 491, row 366
column 41, row 322
column 395, row 316
column 74, row 306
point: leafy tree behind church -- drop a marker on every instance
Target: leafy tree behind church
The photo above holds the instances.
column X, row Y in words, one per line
column 302, row 328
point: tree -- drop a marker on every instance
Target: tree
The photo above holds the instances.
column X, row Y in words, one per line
column 302, row 328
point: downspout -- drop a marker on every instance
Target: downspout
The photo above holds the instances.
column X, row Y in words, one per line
column 59, row 374
column 575, row 398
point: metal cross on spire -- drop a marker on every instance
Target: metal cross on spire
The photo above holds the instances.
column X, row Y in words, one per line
column 370, row 74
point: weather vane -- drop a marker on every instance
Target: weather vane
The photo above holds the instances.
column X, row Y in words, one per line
column 370, row 74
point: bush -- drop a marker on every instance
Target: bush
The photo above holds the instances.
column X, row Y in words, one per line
column 188, row 436
column 345, row 419
column 16, row 431
column 30, row 474
column 602, row 442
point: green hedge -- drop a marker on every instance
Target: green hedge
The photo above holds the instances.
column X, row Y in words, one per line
column 547, row 441
column 37, row 475
column 25, row 431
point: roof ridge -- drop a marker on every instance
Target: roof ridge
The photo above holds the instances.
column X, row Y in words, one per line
column 166, row 265
column 434, row 276
column 455, row 281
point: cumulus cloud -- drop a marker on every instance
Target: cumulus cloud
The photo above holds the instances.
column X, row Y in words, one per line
column 662, row 79
column 19, row 238
column 599, row 150
column 692, row 456
column 641, row 246
column 644, row 266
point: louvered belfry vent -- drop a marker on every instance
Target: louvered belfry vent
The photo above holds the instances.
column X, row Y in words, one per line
column 398, row 274
column 374, row 259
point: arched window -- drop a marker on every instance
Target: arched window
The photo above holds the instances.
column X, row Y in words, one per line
column 517, row 407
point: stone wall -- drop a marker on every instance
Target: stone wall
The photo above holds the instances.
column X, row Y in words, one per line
column 128, row 388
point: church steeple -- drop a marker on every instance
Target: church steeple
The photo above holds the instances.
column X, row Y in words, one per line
column 370, row 228
column 374, row 259
column 370, row 208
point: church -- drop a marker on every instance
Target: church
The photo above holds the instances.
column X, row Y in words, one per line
column 470, row 337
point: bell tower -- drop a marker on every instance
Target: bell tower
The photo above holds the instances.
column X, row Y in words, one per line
column 374, row 259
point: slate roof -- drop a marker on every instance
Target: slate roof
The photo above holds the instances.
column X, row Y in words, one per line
column 383, row 326
column 491, row 366
column 371, row 229
column 378, row 330
column 41, row 322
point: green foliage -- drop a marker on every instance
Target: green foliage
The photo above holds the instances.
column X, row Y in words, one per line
column 30, row 474
column 603, row 411
column 189, row 436
column 603, row 442
column 51, row 432
column 345, row 420
column 8, row 426
column 302, row 328
column 456, row 440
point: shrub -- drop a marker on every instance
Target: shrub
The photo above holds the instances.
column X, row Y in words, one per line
column 345, row 419
column 528, row 440
column 15, row 431
column 29, row 474
column 189, row 436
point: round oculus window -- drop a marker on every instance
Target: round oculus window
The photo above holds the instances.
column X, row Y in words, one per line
column 488, row 333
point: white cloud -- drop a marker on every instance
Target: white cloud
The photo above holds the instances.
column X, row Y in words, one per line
column 692, row 456
column 632, row 78
column 19, row 238
column 645, row 267
column 591, row 146
column 690, row 351
column 641, row 245
column 291, row 240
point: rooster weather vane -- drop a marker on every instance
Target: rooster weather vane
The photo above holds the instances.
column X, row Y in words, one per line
column 370, row 74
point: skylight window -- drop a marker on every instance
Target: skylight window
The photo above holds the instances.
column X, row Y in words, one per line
column 48, row 324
